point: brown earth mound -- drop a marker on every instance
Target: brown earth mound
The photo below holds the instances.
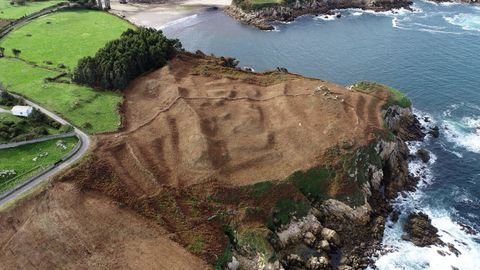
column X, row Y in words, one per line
column 183, row 126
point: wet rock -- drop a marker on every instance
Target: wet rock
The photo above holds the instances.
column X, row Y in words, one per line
column 331, row 236
column 395, row 215
column 424, row 155
column 452, row 249
column 419, row 230
column 435, row 132
column 468, row 229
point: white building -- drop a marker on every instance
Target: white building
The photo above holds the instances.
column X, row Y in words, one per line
column 22, row 110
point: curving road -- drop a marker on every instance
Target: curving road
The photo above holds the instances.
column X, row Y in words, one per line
column 85, row 145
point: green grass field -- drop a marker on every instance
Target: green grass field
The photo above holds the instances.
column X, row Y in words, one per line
column 29, row 159
column 8, row 11
column 63, row 37
column 78, row 104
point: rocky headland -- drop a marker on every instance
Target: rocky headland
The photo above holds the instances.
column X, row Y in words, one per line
column 264, row 14
column 229, row 168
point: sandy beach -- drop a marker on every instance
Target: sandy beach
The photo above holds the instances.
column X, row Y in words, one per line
column 159, row 15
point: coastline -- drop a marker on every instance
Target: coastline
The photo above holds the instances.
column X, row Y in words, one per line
column 160, row 15
column 264, row 17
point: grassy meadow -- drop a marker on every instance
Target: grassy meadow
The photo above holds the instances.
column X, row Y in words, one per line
column 26, row 160
column 63, row 37
column 86, row 108
column 12, row 12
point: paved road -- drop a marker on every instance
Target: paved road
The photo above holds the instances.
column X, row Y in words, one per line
column 4, row 111
column 85, row 140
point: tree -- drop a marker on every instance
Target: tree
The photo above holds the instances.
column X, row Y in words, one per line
column 122, row 60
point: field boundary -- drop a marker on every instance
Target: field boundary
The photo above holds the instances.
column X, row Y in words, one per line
column 75, row 149
column 16, row 23
column 42, row 139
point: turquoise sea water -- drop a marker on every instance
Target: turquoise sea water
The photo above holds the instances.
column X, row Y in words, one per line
column 431, row 54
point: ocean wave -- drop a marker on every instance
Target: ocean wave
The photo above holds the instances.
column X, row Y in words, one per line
column 325, row 17
column 464, row 133
column 467, row 21
column 399, row 254
column 178, row 21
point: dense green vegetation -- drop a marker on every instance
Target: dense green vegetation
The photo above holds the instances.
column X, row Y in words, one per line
column 122, row 60
column 82, row 106
column 257, row 4
column 17, row 164
column 13, row 128
column 254, row 241
column 285, row 209
column 18, row 10
column 63, row 38
column 397, row 97
column 313, row 183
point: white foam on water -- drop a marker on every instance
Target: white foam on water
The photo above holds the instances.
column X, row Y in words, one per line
column 405, row 255
column 449, row 4
column 325, row 17
column 467, row 21
column 178, row 21
column 464, row 133
column 402, row 255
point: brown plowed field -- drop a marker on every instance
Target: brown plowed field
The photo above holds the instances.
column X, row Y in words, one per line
column 182, row 128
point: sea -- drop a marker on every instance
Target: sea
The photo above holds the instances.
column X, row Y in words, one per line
column 432, row 54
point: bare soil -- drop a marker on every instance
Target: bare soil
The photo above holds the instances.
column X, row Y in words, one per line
column 66, row 229
column 183, row 127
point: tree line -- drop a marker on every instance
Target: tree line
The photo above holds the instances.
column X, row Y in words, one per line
column 122, row 60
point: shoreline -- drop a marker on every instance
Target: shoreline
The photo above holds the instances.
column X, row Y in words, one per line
column 159, row 16
column 264, row 18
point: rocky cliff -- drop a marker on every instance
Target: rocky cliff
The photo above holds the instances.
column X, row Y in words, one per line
column 262, row 16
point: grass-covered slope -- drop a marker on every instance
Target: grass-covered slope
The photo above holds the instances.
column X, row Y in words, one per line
column 16, row 11
column 89, row 109
column 63, row 38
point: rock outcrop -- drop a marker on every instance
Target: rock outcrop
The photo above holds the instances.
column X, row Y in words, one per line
column 420, row 231
column 263, row 17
